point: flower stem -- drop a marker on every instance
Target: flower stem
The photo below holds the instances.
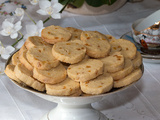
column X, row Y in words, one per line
column 30, row 18
column 20, row 33
column 17, row 40
column 65, row 6
column 46, row 19
column 1, row 44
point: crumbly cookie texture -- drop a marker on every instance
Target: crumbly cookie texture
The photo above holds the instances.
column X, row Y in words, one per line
column 72, row 62
column 110, row 37
column 85, row 70
column 23, row 48
column 114, row 62
column 99, row 85
column 85, row 35
column 69, row 52
column 65, row 88
column 9, row 71
column 41, row 57
column 23, row 74
column 53, row 34
column 34, row 41
column 137, row 61
column 76, row 33
column 96, row 43
column 127, row 48
column 52, row 76
column 15, row 58
column 128, row 68
column 132, row 77
column 23, row 59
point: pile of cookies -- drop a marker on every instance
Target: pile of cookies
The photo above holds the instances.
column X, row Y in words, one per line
column 71, row 62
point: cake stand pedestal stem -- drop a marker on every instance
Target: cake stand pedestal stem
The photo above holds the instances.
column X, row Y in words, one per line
column 74, row 112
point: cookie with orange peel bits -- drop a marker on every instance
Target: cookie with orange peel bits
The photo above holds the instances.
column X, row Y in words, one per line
column 53, row 34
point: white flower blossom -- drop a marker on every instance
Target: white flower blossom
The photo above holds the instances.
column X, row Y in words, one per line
column 34, row 30
column 34, row 2
column 5, row 52
column 50, row 8
column 10, row 29
column 19, row 12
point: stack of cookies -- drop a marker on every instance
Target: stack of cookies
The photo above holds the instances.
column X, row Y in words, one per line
column 72, row 62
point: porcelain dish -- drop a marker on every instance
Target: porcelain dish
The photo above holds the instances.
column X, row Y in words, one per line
column 149, row 58
column 72, row 108
column 148, row 39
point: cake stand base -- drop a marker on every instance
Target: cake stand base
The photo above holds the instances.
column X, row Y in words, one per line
column 74, row 112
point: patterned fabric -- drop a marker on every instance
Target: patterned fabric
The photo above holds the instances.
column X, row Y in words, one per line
column 5, row 13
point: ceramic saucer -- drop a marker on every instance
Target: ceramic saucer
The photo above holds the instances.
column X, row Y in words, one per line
column 146, row 57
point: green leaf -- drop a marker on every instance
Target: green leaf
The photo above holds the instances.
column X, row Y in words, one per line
column 76, row 3
column 110, row 2
column 93, row 3
column 98, row 3
column 63, row 2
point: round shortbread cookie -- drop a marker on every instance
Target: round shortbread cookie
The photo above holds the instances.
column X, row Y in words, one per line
column 76, row 33
column 85, row 35
column 137, row 61
column 110, row 37
column 99, row 85
column 66, row 65
column 114, row 62
column 15, row 58
column 77, row 41
column 23, row 59
column 85, row 70
column 41, row 57
column 53, row 34
column 77, row 93
column 115, row 48
column 134, row 76
column 128, row 68
column 69, row 52
column 23, row 74
column 65, row 88
column 97, row 44
column 127, row 48
column 23, row 48
column 52, row 76
column 9, row 71
column 35, row 41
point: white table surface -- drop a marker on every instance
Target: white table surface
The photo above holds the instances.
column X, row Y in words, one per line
column 139, row 102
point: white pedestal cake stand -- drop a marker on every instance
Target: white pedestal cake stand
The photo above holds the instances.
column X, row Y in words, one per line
column 73, row 108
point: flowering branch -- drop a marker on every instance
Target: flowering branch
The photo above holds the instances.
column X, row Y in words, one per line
column 12, row 26
column 17, row 40
column 58, row 11
column 1, row 44
column 47, row 19
column 30, row 18
column 65, row 5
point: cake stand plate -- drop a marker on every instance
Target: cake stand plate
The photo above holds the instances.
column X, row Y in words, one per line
column 72, row 108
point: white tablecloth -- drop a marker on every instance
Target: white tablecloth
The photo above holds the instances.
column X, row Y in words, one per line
column 139, row 102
